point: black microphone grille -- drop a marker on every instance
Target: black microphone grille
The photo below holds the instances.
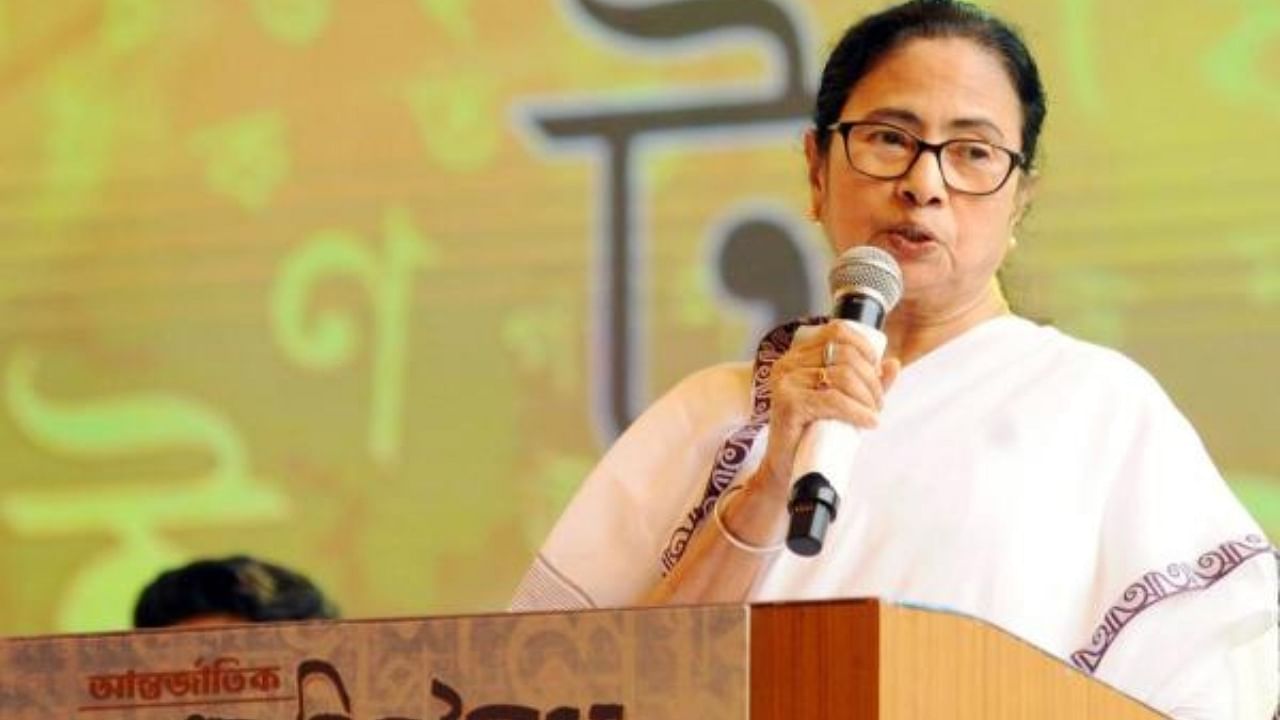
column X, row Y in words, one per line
column 865, row 268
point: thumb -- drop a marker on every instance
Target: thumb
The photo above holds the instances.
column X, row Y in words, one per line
column 889, row 369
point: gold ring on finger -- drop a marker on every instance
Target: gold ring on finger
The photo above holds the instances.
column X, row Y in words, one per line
column 823, row 382
column 829, row 354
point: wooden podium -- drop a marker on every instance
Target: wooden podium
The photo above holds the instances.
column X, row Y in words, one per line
column 841, row 659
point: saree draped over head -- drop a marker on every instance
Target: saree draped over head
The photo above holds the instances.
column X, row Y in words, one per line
column 1041, row 483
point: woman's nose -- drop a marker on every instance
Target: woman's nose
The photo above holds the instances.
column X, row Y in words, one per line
column 923, row 184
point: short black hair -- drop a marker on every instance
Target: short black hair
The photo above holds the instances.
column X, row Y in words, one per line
column 239, row 585
column 868, row 41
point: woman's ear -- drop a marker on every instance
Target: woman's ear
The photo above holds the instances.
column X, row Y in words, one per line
column 816, row 160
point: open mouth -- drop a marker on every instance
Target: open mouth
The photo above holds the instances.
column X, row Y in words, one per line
column 911, row 233
column 909, row 240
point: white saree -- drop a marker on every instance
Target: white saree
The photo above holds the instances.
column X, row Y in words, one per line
column 1038, row 482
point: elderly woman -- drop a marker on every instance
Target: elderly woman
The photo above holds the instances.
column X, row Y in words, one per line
column 1006, row 470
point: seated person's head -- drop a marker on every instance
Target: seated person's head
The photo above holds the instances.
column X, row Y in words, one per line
column 236, row 589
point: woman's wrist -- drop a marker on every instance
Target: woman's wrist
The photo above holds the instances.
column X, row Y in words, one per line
column 734, row 539
column 757, row 513
column 767, row 484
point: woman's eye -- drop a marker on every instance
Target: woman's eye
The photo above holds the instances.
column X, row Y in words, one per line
column 973, row 152
column 889, row 138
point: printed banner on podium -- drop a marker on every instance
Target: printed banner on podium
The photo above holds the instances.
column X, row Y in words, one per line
column 652, row 664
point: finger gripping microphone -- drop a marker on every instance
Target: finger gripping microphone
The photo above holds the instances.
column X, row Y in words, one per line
column 865, row 285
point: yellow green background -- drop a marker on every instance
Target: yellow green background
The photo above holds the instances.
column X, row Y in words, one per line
column 296, row 278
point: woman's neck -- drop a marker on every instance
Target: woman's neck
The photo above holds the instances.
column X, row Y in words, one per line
column 914, row 329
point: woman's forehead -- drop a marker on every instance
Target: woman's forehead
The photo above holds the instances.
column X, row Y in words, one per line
column 940, row 84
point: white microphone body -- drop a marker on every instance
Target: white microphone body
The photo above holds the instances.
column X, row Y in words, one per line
column 866, row 284
column 827, row 447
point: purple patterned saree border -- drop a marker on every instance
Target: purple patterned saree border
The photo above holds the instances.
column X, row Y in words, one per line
column 733, row 453
column 1155, row 586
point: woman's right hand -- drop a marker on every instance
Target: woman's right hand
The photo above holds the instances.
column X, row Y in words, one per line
column 805, row 387
column 807, row 384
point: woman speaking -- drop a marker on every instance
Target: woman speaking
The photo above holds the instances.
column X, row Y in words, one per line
column 1004, row 469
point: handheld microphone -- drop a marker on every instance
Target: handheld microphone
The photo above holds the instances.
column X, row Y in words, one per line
column 865, row 285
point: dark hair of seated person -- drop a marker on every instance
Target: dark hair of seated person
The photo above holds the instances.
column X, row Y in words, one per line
column 237, row 589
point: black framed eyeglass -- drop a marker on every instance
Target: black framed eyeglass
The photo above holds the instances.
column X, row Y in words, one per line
column 888, row 152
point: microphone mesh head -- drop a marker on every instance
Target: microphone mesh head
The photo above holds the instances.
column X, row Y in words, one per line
column 865, row 268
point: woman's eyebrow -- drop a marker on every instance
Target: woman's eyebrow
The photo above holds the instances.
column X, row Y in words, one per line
column 975, row 123
column 902, row 116
column 899, row 115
